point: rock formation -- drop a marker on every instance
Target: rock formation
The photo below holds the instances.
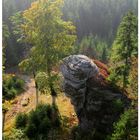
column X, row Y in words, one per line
column 96, row 104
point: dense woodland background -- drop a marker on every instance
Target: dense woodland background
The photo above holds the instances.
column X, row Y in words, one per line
column 37, row 35
column 95, row 20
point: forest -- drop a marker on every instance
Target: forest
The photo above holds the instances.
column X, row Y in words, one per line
column 70, row 69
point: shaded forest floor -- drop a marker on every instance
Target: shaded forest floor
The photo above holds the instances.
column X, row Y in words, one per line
column 15, row 106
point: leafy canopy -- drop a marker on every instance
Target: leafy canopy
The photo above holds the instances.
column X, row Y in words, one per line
column 44, row 28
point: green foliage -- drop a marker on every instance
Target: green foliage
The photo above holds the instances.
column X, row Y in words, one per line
column 126, row 128
column 33, row 64
column 5, row 32
column 133, row 79
column 93, row 47
column 42, row 82
column 45, row 29
column 126, row 40
column 82, row 14
column 12, row 85
column 12, row 13
column 99, row 17
column 41, row 121
column 104, row 56
column 16, row 21
column 16, row 134
column 52, row 38
column 21, row 120
column 4, row 108
column 124, row 48
column 5, row 36
column 35, row 61
column 118, row 105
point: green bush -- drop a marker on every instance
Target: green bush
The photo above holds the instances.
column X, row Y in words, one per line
column 19, row 84
column 12, row 85
column 21, row 120
column 127, row 127
column 10, row 93
column 40, row 121
column 16, row 134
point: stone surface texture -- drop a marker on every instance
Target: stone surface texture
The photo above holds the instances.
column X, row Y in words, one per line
column 96, row 104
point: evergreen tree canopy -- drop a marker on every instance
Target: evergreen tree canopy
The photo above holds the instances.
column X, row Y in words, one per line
column 125, row 44
column 125, row 47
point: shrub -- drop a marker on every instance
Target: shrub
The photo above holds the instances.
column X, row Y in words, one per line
column 10, row 93
column 40, row 121
column 126, row 128
column 19, row 84
column 16, row 134
column 21, row 120
column 12, row 85
column 31, row 131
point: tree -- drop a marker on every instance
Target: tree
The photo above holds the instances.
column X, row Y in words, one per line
column 5, row 36
column 104, row 55
column 45, row 29
column 33, row 64
column 127, row 126
column 14, row 49
column 93, row 47
column 4, row 111
column 16, row 21
column 125, row 47
column 84, row 15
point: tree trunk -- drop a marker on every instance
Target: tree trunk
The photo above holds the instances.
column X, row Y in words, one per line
column 36, row 93
column 36, row 87
column 53, row 94
column 53, row 100
column 3, row 123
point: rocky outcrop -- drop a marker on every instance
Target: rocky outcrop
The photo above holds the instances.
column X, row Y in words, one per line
column 97, row 106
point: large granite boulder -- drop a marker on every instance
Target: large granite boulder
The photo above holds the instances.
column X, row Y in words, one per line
column 96, row 104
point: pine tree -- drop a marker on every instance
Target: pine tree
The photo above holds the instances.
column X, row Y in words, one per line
column 104, row 55
column 125, row 47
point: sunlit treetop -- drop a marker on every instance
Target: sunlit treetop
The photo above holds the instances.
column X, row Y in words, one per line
column 44, row 27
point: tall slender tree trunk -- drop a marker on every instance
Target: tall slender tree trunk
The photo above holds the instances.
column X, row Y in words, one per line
column 53, row 93
column 37, row 96
column 37, row 92
column 53, row 100
column 3, row 121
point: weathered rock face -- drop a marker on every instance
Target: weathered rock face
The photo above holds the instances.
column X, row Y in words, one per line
column 97, row 106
